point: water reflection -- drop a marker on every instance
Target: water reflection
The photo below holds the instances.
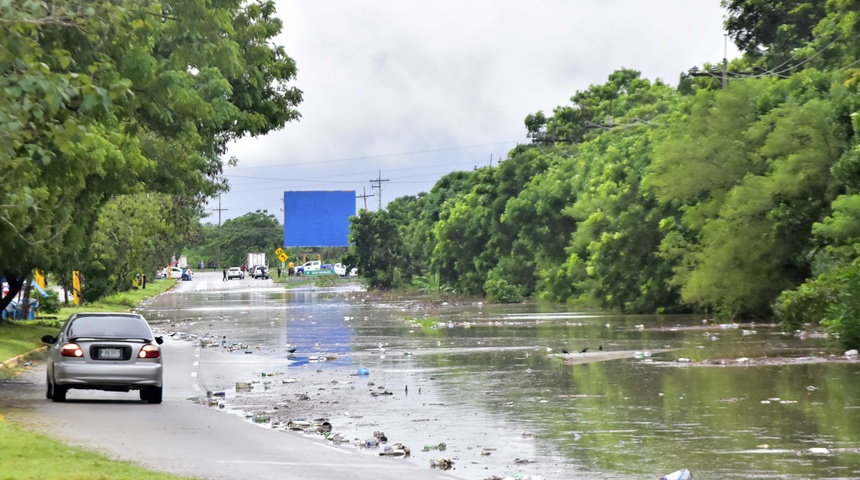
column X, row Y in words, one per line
column 491, row 378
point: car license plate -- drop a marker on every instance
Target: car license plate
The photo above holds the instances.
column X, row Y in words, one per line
column 110, row 354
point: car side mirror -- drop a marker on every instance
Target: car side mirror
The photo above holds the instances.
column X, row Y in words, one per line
column 49, row 339
column 159, row 340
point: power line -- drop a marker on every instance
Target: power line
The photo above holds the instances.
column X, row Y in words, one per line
column 366, row 157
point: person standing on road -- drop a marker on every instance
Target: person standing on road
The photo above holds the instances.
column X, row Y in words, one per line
column 225, row 276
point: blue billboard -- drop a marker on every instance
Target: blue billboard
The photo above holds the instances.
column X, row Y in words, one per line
column 318, row 219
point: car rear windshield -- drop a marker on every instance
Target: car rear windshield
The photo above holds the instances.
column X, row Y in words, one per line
column 110, row 327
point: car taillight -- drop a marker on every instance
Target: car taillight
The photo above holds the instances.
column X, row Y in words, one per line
column 149, row 351
column 71, row 350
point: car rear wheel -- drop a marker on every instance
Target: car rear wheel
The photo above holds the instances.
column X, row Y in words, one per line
column 58, row 393
column 49, row 393
column 151, row 394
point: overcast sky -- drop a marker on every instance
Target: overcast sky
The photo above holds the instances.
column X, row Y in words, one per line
column 408, row 91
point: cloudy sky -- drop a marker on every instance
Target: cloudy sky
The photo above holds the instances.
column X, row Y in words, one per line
column 408, row 90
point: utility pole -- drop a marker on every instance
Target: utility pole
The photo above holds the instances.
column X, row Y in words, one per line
column 725, row 61
column 219, row 210
column 378, row 181
column 364, row 196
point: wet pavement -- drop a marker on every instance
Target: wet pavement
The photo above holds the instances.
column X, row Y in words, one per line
column 494, row 386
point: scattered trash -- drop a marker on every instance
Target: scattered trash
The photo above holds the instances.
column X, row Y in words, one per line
column 243, row 387
column 441, row 447
column 363, row 371
column 682, row 474
column 811, row 388
column 319, row 425
column 219, row 394
column 370, row 443
column 397, row 450
column 851, row 353
column 523, row 461
column 380, row 436
column 441, row 463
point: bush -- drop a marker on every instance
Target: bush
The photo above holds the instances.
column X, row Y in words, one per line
column 50, row 303
column 500, row 291
column 831, row 300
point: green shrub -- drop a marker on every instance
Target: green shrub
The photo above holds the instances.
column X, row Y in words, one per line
column 50, row 303
column 500, row 291
column 831, row 300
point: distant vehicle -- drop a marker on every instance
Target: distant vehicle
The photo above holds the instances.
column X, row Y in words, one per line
column 308, row 266
column 260, row 272
column 175, row 273
column 340, row 269
column 235, row 272
column 105, row 351
column 255, row 259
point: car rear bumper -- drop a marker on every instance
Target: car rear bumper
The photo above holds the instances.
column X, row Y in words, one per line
column 74, row 374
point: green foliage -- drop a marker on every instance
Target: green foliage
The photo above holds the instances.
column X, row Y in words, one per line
column 762, row 28
column 830, row 299
column 257, row 231
column 498, row 290
column 116, row 97
column 430, row 284
column 377, row 249
column 50, row 303
column 750, row 170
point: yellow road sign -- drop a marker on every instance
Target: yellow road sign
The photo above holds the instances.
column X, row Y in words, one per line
column 279, row 252
column 283, row 256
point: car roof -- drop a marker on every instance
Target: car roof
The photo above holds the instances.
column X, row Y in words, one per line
column 107, row 314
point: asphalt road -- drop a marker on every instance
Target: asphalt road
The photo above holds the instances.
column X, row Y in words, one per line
column 185, row 438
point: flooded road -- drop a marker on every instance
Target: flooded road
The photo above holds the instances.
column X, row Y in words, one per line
column 493, row 384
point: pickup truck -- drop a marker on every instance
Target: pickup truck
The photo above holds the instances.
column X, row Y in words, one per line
column 308, row 266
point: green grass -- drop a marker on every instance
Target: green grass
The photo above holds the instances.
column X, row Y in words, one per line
column 19, row 337
column 28, row 455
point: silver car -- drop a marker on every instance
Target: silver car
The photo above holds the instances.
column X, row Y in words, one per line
column 105, row 351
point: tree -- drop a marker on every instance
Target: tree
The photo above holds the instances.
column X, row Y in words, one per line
column 113, row 97
column 772, row 30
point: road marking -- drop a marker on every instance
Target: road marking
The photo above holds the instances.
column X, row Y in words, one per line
column 196, row 363
column 193, row 374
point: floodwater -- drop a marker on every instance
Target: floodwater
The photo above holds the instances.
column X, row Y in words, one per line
column 491, row 383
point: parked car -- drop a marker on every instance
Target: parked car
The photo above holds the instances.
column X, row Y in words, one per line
column 260, row 271
column 105, row 351
column 175, row 273
column 235, row 272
